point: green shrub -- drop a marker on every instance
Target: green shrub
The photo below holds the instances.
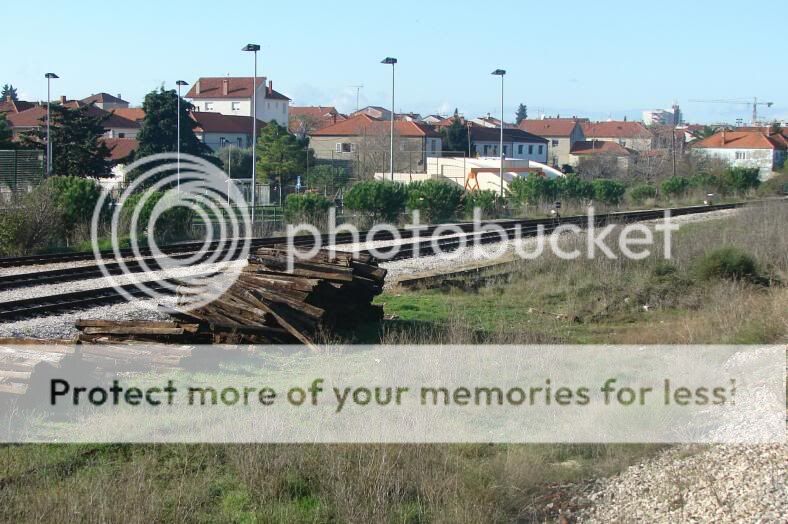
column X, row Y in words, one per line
column 643, row 192
column 741, row 179
column 533, row 189
column 77, row 197
column 306, row 207
column 487, row 201
column 31, row 222
column 728, row 263
column 173, row 224
column 325, row 177
column 775, row 186
column 437, row 200
column 675, row 186
column 572, row 187
column 383, row 200
column 609, row 192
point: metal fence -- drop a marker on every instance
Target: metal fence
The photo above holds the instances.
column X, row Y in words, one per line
column 21, row 169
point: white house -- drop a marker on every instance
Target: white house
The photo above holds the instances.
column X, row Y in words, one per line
column 517, row 144
column 233, row 96
column 764, row 149
column 217, row 130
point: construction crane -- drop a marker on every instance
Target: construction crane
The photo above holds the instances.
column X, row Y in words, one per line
column 754, row 103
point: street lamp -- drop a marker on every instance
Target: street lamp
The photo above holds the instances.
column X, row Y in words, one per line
column 179, row 83
column 501, row 73
column 254, row 48
column 391, row 61
column 49, row 77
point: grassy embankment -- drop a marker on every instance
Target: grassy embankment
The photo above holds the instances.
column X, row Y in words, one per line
column 548, row 300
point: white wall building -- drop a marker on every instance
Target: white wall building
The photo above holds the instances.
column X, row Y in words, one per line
column 750, row 149
column 233, row 96
column 517, row 144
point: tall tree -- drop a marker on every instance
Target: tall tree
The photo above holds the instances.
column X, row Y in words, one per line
column 280, row 155
column 455, row 137
column 522, row 113
column 159, row 130
column 77, row 145
column 9, row 90
column 5, row 133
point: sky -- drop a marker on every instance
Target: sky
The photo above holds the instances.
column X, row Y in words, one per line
column 601, row 60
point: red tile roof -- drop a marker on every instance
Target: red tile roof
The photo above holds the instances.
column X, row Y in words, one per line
column 11, row 106
column 103, row 98
column 36, row 116
column 237, row 87
column 362, row 124
column 319, row 116
column 120, row 148
column 562, row 127
column 218, row 123
column 742, row 140
column 136, row 114
column 615, row 130
column 599, row 147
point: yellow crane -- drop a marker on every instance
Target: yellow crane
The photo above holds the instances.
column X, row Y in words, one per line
column 754, row 103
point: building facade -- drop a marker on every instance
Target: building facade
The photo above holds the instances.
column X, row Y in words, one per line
column 517, row 144
column 632, row 135
column 233, row 96
column 561, row 134
column 763, row 150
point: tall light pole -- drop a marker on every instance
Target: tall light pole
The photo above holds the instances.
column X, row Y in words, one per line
column 501, row 73
column 391, row 61
column 254, row 48
column 179, row 83
column 49, row 77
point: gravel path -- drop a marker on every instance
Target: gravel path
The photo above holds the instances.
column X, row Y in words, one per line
column 695, row 484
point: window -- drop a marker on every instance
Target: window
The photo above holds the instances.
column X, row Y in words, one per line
column 236, row 106
column 555, row 143
column 486, row 148
column 505, row 149
column 240, row 142
column 209, row 106
column 222, row 141
column 345, row 147
column 268, row 104
column 530, row 150
column 540, row 149
column 520, row 149
column 741, row 155
column 284, row 108
column 121, row 135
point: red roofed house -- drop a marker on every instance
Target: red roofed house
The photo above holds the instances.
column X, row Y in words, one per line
column 233, row 96
column 217, row 130
column 9, row 105
column 35, row 118
column 304, row 120
column 105, row 101
column 561, row 133
column 615, row 155
column 764, row 149
column 632, row 135
column 366, row 135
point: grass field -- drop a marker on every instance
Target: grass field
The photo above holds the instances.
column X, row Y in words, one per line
column 546, row 301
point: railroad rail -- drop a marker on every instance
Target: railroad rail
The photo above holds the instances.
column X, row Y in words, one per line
column 31, row 307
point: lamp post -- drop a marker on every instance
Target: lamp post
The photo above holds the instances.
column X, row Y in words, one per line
column 49, row 77
column 179, row 83
column 501, row 73
column 389, row 60
column 254, row 48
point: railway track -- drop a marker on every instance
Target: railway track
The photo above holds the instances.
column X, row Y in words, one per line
column 31, row 307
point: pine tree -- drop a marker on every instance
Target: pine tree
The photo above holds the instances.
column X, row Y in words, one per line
column 455, row 137
column 522, row 113
column 5, row 133
column 77, row 145
column 280, row 155
column 8, row 90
